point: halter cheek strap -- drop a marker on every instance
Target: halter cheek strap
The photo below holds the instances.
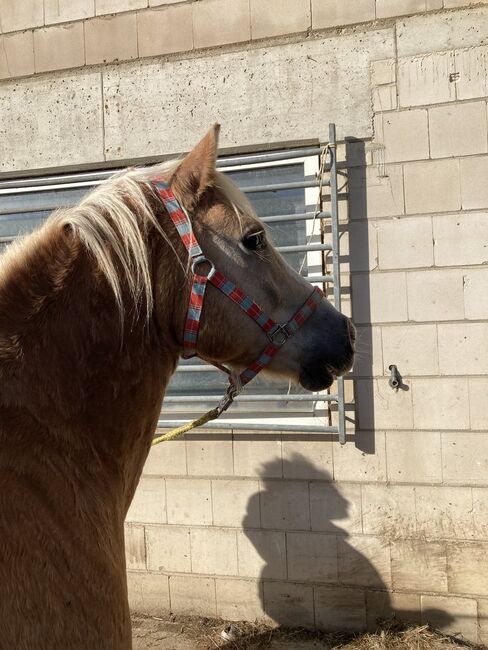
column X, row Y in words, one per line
column 277, row 333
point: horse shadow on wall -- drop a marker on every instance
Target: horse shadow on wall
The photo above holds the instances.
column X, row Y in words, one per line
column 313, row 571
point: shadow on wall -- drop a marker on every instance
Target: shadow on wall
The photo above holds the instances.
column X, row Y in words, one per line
column 314, row 578
column 358, row 261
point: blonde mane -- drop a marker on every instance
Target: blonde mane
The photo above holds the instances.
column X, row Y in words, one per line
column 113, row 220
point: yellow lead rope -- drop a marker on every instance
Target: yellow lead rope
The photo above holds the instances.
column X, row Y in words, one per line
column 231, row 392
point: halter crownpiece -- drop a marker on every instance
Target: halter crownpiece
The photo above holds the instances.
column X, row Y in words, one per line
column 277, row 333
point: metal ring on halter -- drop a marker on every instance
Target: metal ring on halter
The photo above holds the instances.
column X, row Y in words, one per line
column 278, row 334
column 201, row 259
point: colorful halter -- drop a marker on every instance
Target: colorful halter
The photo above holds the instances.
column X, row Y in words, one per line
column 277, row 333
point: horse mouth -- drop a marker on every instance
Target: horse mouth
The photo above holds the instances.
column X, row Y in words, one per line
column 314, row 379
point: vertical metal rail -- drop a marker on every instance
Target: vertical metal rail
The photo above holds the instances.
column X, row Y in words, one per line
column 336, row 269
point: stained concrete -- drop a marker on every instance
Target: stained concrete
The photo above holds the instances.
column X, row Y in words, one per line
column 270, row 94
column 442, row 31
column 51, row 120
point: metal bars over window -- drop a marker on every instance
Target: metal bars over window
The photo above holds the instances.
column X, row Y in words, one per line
column 285, row 189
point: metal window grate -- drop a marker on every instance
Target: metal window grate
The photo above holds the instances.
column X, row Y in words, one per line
column 284, row 188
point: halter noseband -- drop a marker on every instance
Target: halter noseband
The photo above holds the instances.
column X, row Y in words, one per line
column 277, row 333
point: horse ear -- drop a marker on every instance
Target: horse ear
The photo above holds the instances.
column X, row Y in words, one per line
column 196, row 173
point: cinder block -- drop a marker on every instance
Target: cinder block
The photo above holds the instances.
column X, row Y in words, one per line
column 383, row 72
column 333, row 13
column 214, row 23
column 386, row 605
column 239, row 600
column 362, row 460
column 289, row 604
column 473, row 72
column 387, row 8
column 165, row 31
column 378, row 406
column 463, row 348
column 16, row 55
column 444, row 512
column 359, row 243
column 167, row 460
column 458, row 130
column 405, row 243
column 340, row 609
column 236, row 503
column 364, row 561
column 168, row 549
column 255, row 457
column 412, row 348
column 375, row 194
column 148, row 593
column 435, row 295
column 369, row 362
column 21, row 14
column 478, row 390
column 414, row 457
column 193, row 596
column 379, row 298
column 461, row 239
column 149, row 502
column 312, row 557
column 285, row 504
column 135, row 548
column 451, row 615
column 207, row 457
column 404, row 134
column 480, row 512
column 214, row 551
column 276, row 17
column 417, row 565
column 432, row 186
column 307, row 459
column 189, row 501
column 441, row 31
column 389, row 511
column 424, row 80
column 475, row 296
column 117, row 6
column 61, row 11
column 385, row 98
column 262, row 554
column 440, row 403
column 111, row 38
column 465, row 458
column 467, row 567
column 483, row 620
column 474, row 189
column 336, row 507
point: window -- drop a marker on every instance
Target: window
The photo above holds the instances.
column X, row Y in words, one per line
column 288, row 208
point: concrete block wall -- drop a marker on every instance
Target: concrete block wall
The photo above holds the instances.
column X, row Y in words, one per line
column 291, row 528
column 302, row 531
column 65, row 34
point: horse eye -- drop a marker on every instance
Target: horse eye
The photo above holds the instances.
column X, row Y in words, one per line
column 254, row 241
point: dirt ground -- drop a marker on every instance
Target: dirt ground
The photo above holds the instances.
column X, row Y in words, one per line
column 178, row 633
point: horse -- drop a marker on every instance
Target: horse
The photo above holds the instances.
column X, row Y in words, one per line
column 92, row 313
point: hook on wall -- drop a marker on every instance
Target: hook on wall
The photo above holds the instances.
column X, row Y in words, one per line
column 396, row 380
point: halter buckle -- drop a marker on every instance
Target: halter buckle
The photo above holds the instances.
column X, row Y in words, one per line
column 278, row 334
column 201, row 259
column 230, row 394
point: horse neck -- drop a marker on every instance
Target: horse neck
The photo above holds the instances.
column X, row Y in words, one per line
column 75, row 387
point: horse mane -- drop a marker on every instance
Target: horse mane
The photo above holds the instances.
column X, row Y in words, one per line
column 112, row 223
